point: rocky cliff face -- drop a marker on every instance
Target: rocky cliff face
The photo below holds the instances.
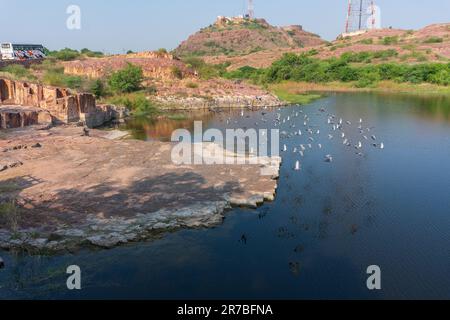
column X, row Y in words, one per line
column 26, row 103
column 18, row 117
column 238, row 36
column 154, row 65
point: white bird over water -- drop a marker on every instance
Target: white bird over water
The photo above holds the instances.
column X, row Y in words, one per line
column 382, row 145
column 328, row 158
column 284, row 148
column 297, row 166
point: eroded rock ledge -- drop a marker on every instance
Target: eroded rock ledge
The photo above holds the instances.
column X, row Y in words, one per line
column 73, row 190
column 57, row 104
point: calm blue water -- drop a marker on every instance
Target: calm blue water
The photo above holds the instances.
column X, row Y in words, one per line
column 330, row 221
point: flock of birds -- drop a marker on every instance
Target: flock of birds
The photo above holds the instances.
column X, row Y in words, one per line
column 301, row 127
column 337, row 128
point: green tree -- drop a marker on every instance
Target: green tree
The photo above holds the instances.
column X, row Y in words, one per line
column 126, row 80
column 98, row 88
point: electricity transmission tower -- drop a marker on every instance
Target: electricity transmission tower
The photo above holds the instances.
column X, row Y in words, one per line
column 250, row 10
column 360, row 15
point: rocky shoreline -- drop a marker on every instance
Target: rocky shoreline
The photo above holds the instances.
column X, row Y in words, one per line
column 74, row 191
column 222, row 102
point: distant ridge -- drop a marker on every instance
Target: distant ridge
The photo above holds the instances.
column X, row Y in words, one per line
column 240, row 36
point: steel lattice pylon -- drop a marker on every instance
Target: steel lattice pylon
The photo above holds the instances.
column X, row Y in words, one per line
column 360, row 15
column 251, row 9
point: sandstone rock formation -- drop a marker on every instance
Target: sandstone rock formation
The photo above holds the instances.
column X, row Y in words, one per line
column 39, row 101
column 154, row 65
column 73, row 189
column 17, row 117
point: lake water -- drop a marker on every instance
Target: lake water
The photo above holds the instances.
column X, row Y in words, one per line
column 329, row 222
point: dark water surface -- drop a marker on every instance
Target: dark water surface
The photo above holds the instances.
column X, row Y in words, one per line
column 329, row 222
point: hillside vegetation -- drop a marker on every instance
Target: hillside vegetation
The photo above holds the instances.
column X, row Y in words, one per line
column 430, row 44
column 356, row 68
column 238, row 36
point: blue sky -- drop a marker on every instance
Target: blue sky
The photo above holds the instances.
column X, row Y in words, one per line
column 116, row 25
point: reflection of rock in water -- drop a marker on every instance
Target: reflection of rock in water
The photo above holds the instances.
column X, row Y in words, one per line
column 323, row 229
column 294, row 267
column 263, row 213
column 299, row 249
column 284, row 233
column 298, row 201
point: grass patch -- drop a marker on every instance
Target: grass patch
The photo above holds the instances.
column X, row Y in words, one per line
column 177, row 117
column 433, row 40
column 137, row 102
column 191, row 85
column 381, row 86
column 10, row 215
column 8, row 187
column 288, row 94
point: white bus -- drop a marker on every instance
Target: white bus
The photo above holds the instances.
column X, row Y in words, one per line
column 10, row 51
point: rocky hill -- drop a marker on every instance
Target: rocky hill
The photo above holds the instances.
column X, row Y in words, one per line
column 240, row 36
column 431, row 43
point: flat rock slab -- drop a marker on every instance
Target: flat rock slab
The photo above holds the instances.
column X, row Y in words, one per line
column 72, row 188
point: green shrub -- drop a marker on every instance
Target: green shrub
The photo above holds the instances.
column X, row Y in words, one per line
column 305, row 68
column 97, row 88
column 161, row 52
column 191, row 85
column 204, row 70
column 10, row 214
column 366, row 41
column 137, row 102
column 389, row 40
column 92, row 54
column 58, row 79
column 176, row 72
column 65, row 54
column 126, row 80
column 433, row 40
column 18, row 71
